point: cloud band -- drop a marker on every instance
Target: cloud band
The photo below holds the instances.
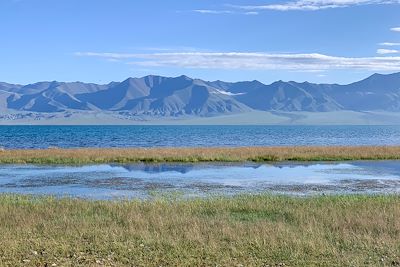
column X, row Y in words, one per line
column 254, row 61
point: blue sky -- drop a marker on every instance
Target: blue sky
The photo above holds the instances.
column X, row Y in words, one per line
column 109, row 40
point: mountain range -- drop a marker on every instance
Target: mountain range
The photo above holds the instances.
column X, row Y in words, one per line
column 178, row 96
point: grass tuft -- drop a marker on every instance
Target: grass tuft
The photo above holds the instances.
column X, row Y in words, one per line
column 215, row 154
column 239, row 231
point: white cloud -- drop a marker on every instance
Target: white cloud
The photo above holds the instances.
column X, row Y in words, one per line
column 387, row 51
column 254, row 61
column 251, row 13
column 395, row 29
column 389, row 44
column 216, row 12
column 312, row 5
column 210, row 11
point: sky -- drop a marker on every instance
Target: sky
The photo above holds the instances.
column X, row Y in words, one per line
column 323, row 41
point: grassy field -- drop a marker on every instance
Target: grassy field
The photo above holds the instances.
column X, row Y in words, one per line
column 239, row 231
column 258, row 154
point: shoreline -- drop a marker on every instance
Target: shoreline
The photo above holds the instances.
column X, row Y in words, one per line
column 198, row 154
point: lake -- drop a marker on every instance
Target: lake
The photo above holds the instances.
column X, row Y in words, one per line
column 113, row 181
column 110, row 181
column 12, row 137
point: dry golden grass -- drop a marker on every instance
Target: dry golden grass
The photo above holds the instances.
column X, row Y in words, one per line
column 104, row 155
column 240, row 231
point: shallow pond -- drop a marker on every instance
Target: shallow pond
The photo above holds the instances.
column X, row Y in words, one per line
column 186, row 180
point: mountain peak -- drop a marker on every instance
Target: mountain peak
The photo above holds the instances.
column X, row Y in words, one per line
column 184, row 77
column 380, row 76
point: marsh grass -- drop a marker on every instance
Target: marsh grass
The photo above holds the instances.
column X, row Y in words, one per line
column 239, row 154
column 239, row 231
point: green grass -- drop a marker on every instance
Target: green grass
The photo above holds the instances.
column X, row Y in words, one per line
column 212, row 154
column 168, row 231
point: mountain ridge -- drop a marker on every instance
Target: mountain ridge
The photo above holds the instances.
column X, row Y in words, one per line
column 154, row 95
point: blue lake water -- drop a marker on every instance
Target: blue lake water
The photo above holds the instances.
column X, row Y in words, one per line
column 112, row 181
column 191, row 136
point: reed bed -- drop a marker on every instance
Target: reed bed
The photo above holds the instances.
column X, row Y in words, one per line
column 238, row 154
column 239, row 231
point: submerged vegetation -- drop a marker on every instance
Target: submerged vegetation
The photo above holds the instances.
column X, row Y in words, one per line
column 238, row 231
column 257, row 154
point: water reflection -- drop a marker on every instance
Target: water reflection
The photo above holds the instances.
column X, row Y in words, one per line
column 142, row 180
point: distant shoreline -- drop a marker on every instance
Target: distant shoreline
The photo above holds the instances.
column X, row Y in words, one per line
column 269, row 118
column 199, row 154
